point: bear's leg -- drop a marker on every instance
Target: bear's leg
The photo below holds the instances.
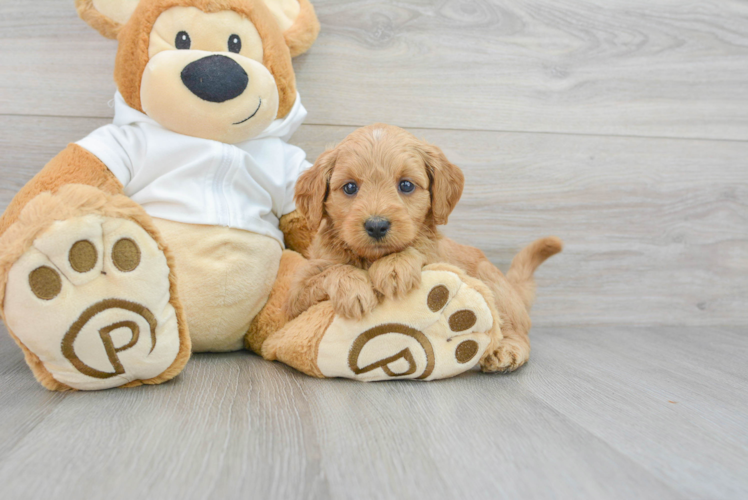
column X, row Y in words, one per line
column 439, row 330
column 87, row 292
column 272, row 318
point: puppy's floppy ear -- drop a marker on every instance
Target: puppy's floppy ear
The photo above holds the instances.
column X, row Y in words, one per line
column 106, row 16
column 447, row 182
column 297, row 21
column 312, row 189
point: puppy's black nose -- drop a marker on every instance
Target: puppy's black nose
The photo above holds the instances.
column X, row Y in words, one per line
column 215, row 78
column 377, row 227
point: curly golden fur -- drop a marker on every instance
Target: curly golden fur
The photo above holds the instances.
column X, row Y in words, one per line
column 412, row 187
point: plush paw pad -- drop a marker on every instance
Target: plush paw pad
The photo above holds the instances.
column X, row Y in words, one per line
column 437, row 331
column 91, row 300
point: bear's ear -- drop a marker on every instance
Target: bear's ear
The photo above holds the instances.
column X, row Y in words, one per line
column 297, row 21
column 106, row 16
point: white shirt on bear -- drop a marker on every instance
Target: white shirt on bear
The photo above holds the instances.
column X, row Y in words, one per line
column 247, row 186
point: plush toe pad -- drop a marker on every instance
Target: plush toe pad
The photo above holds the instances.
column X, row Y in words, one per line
column 437, row 331
column 91, row 300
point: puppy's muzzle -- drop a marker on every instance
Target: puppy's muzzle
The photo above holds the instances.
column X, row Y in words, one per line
column 215, row 78
column 377, row 227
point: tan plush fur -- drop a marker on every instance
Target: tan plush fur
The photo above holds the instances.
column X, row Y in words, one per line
column 134, row 39
column 303, row 32
column 297, row 344
column 299, row 37
column 73, row 165
column 76, row 200
column 354, row 270
column 275, row 337
column 107, row 27
column 272, row 317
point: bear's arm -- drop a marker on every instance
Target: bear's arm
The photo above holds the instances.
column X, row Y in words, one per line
column 296, row 232
column 74, row 165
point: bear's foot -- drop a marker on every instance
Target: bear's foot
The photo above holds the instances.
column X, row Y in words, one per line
column 91, row 304
column 438, row 331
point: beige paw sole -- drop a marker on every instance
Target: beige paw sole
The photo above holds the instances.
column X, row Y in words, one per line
column 91, row 300
column 438, row 331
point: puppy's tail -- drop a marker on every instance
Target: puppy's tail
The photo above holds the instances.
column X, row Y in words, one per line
column 525, row 263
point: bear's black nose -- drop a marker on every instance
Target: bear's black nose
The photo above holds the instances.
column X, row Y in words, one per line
column 377, row 227
column 215, row 78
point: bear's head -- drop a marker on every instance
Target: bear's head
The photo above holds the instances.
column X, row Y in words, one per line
column 215, row 69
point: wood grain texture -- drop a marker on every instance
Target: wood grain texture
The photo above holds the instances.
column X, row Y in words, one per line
column 590, row 417
column 655, row 229
column 666, row 68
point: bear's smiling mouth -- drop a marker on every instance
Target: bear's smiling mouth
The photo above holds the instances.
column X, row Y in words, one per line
column 252, row 115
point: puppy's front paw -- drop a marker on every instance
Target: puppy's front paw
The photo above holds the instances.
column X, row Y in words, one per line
column 352, row 295
column 394, row 276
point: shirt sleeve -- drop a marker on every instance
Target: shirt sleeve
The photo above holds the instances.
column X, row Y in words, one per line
column 121, row 149
column 296, row 164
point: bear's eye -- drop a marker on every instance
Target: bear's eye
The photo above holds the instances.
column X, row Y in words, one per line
column 235, row 44
column 183, row 41
column 350, row 189
column 407, row 186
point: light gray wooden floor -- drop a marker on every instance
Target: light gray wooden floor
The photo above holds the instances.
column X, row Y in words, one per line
column 621, row 126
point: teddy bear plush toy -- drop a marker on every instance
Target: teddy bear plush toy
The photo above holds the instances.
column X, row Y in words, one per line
column 173, row 229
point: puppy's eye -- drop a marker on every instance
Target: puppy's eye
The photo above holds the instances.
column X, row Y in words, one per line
column 183, row 41
column 407, row 186
column 350, row 189
column 235, row 44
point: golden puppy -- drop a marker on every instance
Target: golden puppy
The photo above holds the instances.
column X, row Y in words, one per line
column 376, row 200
